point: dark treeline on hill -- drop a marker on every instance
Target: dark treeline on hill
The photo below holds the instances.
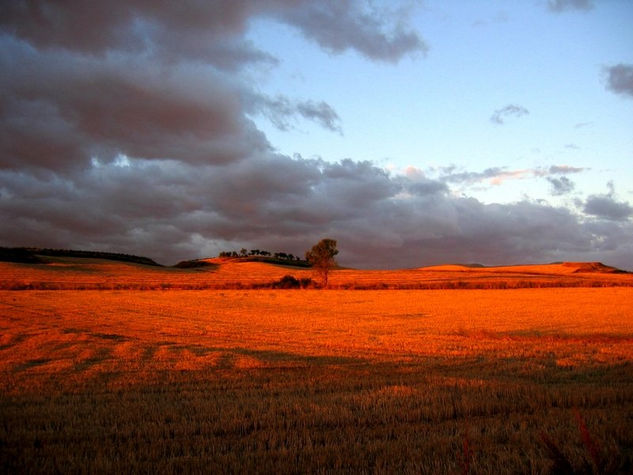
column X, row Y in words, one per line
column 19, row 254
column 258, row 255
column 31, row 255
column 254, row 255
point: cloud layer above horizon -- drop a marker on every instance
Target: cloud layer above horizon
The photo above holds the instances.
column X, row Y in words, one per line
column 136, row 135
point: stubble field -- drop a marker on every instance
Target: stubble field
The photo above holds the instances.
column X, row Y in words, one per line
column 68, row 273
column 280, row 381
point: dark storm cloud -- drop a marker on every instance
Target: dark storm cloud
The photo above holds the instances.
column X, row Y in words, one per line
column 184, row 30
column 606, row 207
column 620, row 79
column 341, row 25
column 427, row 187
column 172, row 211
column 194, row 30
column 156, row 79
column 565, row 5
column 124, row 126
column 512, row 110
column 61, row 109
column 561, row 185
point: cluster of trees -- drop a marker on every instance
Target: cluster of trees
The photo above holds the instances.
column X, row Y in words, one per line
column 320, row 257
column 256, row 252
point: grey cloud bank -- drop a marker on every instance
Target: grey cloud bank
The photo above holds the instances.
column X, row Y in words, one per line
column 174, row 211
column 135, row 136
column 207, row 31
column 606, row 207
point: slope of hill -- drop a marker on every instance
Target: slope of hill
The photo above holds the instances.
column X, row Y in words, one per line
column 224, row 260
column 34, row 255
column 562, row 268
column 69, row 272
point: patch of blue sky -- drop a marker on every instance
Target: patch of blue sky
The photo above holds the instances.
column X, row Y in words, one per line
column 435, row 110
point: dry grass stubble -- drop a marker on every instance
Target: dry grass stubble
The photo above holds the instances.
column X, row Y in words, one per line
column 284, row 381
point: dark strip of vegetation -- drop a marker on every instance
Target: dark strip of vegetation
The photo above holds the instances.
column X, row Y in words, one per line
column 193, row 264
column 197, row 263
column 290, row 282
column 279, row 261
column 256, row 255
column 18, row 254
column 30, row 255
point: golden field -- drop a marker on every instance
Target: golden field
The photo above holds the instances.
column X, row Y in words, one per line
column 67, row 273
column 521, row 380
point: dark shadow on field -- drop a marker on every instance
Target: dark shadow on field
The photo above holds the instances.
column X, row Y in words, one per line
column 31, row 364
column 282, row 356
column 330, row 414
column 16, row 340
column 100, row 355
column 197, row 266
column 64, row 345
column 149, row 351
column 547, row 336
column 110, row 336
column 226, row 361
column 230, row 354
column 337, row 415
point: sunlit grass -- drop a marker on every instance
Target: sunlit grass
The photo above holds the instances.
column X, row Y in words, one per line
column 96, row 274
column 309, row 380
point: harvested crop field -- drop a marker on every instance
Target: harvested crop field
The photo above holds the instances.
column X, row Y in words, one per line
column 277, row 381
column 71, row 273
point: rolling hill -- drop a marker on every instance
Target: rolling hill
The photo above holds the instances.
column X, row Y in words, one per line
column 113, row 378
column 90, row 270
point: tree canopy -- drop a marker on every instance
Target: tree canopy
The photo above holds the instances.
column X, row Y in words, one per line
column 321, row 257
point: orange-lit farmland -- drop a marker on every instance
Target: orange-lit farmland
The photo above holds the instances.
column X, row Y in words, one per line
column 79, row 274
column 431, row 381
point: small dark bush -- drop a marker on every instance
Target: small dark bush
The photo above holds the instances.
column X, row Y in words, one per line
column 287, row 282
column 291, row 282
column 306, row 282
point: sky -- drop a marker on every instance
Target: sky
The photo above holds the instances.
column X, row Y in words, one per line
column 412, row 132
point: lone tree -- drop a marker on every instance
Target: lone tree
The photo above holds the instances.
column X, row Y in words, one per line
column 321, row 257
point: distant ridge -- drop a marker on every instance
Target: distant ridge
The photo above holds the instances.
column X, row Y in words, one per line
column 555, row 267
column 593, row 267
column 34, row 255
column 30, row 255
column 63, row 270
